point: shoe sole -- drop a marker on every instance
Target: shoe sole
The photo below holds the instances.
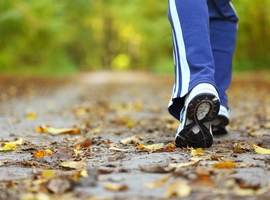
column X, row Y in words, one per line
column 221, row 128
column 202, row 108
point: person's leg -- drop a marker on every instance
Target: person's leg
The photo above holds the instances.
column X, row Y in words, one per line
column 223, row 29
column 195, row 100
column 193, row 57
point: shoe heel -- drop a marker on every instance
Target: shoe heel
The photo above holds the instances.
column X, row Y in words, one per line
column 201, row 102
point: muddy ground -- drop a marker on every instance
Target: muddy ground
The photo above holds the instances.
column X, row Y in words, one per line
column 107, row 116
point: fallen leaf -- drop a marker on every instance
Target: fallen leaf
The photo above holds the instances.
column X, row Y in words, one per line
column 202, row 172
column 155, row 168
column 130, row 140
column 238, row 150
column 157, row 183
column 31, row 115
column 198, row 152
column 57, row 131
column 150, row 147
column 244, row 146
column 48, row 174
column 257, row 133
column 41, row 153
column 179, row 165
column 168, row 147
column 83, row 143
column 117, row 149
column 196, row 159
column 73, row 164
column 9, row 147
column 115, row 187
column 178, row 188
column 261, row 150
column 224, row 165
column 3, row 162
column 20, row 141
column 202, row 181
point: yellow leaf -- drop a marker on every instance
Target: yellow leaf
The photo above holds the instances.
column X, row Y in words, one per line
column 57, row 131
column 261, row 150
column 10, row 147
column 224, row 165
column 115, row 187
column 178, row 188
column 84, row 173
column 20, row 141
column 41, row 129
column 81, row 111
column 157, row 183
column 153, row 146
column 41, row 153
column 73, row 164
column 48, row 174
column 198, row 152
column 31, row 115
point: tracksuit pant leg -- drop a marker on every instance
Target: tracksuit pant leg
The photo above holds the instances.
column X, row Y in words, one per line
column 204, row 34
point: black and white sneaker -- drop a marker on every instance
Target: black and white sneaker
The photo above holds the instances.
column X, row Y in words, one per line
column 200, row 109
column 220, row 123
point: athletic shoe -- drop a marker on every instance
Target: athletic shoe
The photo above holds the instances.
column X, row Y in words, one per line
column 200, row 109
column 220, row 123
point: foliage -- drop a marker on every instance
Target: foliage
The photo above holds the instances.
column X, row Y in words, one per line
column 66, row 36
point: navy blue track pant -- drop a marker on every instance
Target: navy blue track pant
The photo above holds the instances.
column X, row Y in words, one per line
column 204, row 35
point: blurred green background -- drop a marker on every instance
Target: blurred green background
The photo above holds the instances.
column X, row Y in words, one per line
column 66, row 36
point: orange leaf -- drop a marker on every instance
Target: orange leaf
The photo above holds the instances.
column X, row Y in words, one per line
column 41, row 154
column 225, row 165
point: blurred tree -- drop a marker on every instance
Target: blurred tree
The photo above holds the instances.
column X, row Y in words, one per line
column 64, row 36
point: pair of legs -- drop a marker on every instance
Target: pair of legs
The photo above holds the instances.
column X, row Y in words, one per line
column 204, row 36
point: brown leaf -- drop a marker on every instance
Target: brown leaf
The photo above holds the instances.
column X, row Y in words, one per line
column 202, row 181
column 238, row 150
column 224, row 165
column 83, row 143
column 115, row 187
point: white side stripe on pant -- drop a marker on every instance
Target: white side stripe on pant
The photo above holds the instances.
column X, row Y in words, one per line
column 180, row 53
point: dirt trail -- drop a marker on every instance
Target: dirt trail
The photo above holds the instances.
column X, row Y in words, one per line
column 109, row 107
